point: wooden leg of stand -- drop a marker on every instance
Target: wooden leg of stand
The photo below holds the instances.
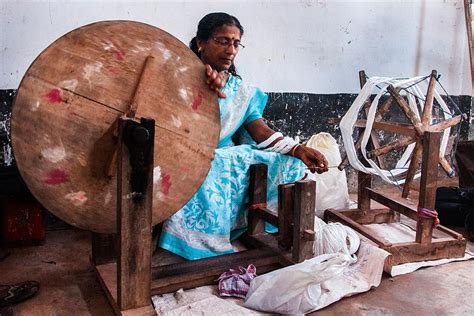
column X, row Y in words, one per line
column 286, row 194
column 134, row 229
column 257, row 197
column 364, row 180
column 104, row 248
column 428, row 184
column 304, row 212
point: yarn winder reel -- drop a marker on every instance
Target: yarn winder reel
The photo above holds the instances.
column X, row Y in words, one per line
column 427, row 150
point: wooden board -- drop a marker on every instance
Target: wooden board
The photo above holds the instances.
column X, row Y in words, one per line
column 64, row 120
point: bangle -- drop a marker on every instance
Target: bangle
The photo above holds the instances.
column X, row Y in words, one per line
column 294, row 149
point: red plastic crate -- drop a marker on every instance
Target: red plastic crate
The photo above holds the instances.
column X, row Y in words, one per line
column 21, row 221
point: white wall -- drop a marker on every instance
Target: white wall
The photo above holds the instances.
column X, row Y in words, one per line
column 315, row 46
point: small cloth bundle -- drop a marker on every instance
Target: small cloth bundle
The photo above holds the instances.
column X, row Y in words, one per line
column 236, row 283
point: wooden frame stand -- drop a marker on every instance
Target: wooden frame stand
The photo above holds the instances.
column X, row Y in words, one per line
column 126, row 275
column 424, row 247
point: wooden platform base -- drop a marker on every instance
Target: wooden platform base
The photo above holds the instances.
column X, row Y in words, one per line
column 190, row 274
column 425, row 246
column 129, row 280
column 452, row 247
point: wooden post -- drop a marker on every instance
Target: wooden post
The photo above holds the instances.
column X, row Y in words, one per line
column 364, row 180
column 134, row 211
column 428, row 184
column 257, row 197
column 304, row 212
column 286, row 194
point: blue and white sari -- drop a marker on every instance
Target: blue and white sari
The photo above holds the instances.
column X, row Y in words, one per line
column 216, row 214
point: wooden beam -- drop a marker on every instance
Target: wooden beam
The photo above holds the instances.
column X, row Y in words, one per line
column 428, row 185
column 257, row 197
column 446, row 167
column 285, row 215
column 364, row 180
column 304, row 212
column 392, row 127
column 196, row 273
column 375, row 216
column 335, row 215
column 150, row 68
column 414, row 252
column 399, row 143
column 266, row 215
column 406, row 109
column 396, row 204
column 428, row 106
column 134, row 209
column 441, row 126
column 414, row 164
column 450, row 232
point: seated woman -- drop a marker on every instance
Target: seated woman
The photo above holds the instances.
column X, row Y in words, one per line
column 216, row 214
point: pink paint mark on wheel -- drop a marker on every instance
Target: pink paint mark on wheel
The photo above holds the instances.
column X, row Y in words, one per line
column 54, row 96
column 118, row 52
column 56, row 176
column 197, row 102
column 166, row 183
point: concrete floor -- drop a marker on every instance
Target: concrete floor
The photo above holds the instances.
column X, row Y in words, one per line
column 69, row 285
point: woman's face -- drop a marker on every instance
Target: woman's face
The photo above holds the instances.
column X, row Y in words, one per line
column 221, row 48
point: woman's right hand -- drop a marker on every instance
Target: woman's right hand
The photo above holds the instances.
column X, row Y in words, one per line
column 216, row 80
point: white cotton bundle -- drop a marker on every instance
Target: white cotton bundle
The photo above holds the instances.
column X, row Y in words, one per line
column 335, row 238
column 283, row 146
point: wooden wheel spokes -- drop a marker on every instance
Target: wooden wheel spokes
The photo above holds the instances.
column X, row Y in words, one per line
column 412, row 132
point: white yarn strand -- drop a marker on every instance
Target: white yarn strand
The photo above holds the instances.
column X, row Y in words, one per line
column 283, row 146
column 269, row 140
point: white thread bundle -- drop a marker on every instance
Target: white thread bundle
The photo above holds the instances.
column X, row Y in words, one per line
column 414, row 88
column 283, row 146
column 335, row 238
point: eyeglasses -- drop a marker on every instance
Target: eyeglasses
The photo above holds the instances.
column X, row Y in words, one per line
column 225, row 41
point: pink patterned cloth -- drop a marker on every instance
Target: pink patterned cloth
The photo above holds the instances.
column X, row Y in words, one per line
column 236, row 283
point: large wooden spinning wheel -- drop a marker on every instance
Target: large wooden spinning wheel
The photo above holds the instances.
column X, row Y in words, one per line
column 64, row 130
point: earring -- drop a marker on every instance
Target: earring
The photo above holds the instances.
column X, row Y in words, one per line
column 199, row 49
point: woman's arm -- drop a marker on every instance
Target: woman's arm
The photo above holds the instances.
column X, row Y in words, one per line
column 260, row 131
column 312, row 158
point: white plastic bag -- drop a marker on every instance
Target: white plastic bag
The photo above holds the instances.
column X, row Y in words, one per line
column 331, row 186
column 296, row 289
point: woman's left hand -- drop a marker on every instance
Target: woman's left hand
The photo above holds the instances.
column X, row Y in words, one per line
column 312, row 158
column 216, row 80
